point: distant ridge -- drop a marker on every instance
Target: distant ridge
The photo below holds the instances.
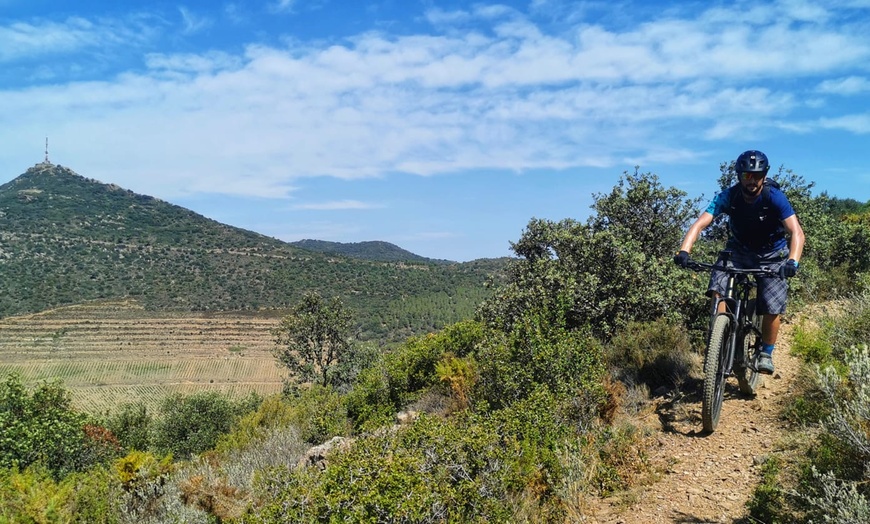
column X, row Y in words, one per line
column 369, row 250
column 66, row 239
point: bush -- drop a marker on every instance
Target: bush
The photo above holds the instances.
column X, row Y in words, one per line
column 32, row 496
column 190, row 425
column 319, row 413
column 404, row 374
column 838, row 501
column 535, row 354
column 834, row 479
column 847, row 326
column 132, row 426
column 273, row 412
column 432, row 471
column 42, row 429
column 35, row 496
column 850, row 402
column 768, row 502
column 94, row 497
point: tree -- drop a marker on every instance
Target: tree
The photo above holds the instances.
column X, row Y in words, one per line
column 313, row 338
column 40, row 427
column 614, row 269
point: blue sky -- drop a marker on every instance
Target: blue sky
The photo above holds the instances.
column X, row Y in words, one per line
column 440, row 126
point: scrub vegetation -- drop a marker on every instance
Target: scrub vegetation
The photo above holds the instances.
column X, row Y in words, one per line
column 524, row 411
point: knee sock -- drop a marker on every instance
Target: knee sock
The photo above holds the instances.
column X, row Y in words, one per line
column 767, row 348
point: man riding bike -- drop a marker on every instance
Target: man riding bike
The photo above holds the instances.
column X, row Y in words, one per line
column 760, row 219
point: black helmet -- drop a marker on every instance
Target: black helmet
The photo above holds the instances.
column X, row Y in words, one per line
column 752, row 162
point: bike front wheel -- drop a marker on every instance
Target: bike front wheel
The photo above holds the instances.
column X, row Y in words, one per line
column 714, row 372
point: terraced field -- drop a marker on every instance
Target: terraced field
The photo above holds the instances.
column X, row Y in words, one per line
column 109, row 353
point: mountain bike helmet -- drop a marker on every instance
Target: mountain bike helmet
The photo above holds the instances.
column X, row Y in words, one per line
column 752, row 162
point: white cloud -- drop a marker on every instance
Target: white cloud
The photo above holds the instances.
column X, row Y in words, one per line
column 859, row 124
column 851, row 85
column 22, row 40
column 38, row 38
column 508, row 95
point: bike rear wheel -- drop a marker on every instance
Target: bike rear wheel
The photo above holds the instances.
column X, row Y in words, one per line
column 748, row 379
column 714, row 372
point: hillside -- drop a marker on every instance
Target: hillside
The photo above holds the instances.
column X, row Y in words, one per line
column 371, row 250
column 66, row 239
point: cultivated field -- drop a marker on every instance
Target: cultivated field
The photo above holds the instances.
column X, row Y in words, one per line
column 109, row 353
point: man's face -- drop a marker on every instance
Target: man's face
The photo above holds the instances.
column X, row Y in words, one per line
column 752, row 183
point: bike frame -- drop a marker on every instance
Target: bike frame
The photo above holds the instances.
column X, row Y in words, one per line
column 736, row 298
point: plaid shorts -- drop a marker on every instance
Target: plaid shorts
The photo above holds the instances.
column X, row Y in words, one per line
column 772, row 291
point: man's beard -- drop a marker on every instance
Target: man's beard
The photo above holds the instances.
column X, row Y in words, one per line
column 750, row 193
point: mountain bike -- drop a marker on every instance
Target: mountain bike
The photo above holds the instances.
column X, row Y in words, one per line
column 733, row 337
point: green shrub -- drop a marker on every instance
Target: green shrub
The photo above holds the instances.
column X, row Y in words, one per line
column 272, row 413
column 812, row 345
column 32, row 496
column 615, row 268
column 189, row 425
column 41, row 428
column 132, row 426
column 35, row 496
column 537, row 353
column 319, row 413
column 94, row 497
column 768, row 502
column 403, row 374
column 369, row 403
column 432, row 471
column 846, row 326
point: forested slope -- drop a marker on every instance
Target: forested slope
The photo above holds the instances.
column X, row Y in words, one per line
column 65, row 239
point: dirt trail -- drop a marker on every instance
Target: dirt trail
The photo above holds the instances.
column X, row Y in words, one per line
column 709, row 478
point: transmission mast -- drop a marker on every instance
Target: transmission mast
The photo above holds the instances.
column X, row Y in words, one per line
column 46, row 151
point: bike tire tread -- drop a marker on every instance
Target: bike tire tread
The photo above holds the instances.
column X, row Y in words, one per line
column 714, row 381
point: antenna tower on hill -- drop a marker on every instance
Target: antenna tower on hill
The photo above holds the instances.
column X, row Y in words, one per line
column 46, row 151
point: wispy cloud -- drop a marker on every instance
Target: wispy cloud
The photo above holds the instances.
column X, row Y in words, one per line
column 193, row 22
column 283, row 5
column 859, row 124
column 851, row 85
column 506, row 92
column 21, row 40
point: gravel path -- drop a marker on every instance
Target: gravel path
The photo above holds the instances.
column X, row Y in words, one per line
column 709, row 478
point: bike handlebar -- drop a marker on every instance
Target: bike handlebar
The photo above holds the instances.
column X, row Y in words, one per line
column 694, row 265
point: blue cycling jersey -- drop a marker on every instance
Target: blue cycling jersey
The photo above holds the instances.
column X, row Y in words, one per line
column 756, row 225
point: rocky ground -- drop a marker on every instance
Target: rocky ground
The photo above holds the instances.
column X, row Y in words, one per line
column 709, row 478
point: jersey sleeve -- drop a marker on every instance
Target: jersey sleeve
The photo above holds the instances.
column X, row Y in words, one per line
column 719, row 204
column 781, row 203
